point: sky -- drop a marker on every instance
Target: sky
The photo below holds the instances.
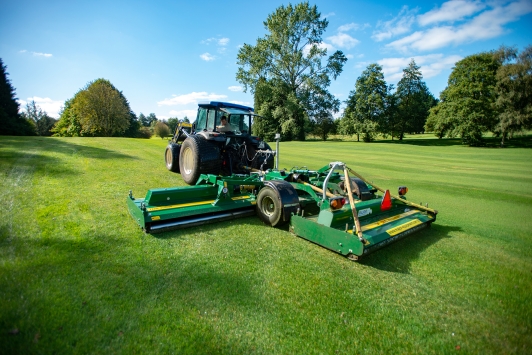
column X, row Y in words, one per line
column 167, row 56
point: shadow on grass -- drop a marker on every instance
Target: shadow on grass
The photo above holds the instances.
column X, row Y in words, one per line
column 84, row 295
column 489, row 142
column 398, row 256
column 30, row 153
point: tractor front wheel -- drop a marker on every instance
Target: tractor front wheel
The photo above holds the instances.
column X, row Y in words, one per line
column 269, row 207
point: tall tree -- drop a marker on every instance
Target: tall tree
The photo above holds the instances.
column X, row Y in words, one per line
column 291, row 61
column 98, row 109
column 367, row 103
column 11, row 122
column 466, row 105
column 414, row 101
column 514, row 92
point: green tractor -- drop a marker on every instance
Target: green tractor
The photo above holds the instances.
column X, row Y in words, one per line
column 210, row 147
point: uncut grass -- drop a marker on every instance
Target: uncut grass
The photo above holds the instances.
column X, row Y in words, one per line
column 77, row 275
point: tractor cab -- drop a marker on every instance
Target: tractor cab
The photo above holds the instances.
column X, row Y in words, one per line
column 209, row 121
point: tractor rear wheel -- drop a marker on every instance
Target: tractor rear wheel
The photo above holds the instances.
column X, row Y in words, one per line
column 269, row 207
column 171, row 157
column 198, row 156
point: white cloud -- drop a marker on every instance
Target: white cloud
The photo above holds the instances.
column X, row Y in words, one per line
column 330, row 14
column 349, row 56
column 207, row 57
column 451, row 11
column 192, row 98
column 223, row 41
column 47, row 55
column 51, row 107
column 399, row 25
column 37, row 54
column 485, row 25
column 352, row 26
column 343, row 40
column 235, row 88
column 430, row 65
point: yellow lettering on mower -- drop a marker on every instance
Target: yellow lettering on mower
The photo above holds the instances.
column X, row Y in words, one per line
column 403, row 227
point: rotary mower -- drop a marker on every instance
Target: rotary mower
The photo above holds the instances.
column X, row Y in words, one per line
column 334, row 206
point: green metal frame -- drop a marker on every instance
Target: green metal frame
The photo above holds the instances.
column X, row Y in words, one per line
column 216, row 198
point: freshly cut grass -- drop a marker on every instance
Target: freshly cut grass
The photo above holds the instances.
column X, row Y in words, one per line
column 77, row 275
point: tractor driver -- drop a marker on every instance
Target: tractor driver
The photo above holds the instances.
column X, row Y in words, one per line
column 224, row 125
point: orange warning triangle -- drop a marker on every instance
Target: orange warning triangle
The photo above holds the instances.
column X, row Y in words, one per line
column 386, row 203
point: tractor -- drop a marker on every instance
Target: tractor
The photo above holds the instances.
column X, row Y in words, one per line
column 208, row 147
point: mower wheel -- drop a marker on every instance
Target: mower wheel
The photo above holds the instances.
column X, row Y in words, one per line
column 198, row 156
column 171, row 157
column 269, row 207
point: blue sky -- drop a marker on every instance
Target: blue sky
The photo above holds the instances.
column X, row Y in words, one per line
column 166, row 56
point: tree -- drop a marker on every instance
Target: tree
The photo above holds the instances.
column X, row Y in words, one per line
column 40, row 119
column 290, row 63
column 172, row 123
column 466, row 105
column 414, row 101
column 161, row 129
column 514, row 92
column 323, row 125
column 11, row 122
column 143, row 120
column 99, row 109
column 366, row 104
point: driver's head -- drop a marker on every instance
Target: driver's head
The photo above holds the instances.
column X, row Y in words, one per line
column 223, row 120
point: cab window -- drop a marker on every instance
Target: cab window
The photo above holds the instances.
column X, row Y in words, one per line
column 201, row 120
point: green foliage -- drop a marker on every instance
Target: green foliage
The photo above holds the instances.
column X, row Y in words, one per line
column 39, row 118
column 11, row 122
column 172, row 123
column 144, row 132
column 514, row 92
column 99, row 109
column 466, row 105
column 366, row 105
column 414, row 101
column 161, row 129
column 323, row 125
column 289, row 64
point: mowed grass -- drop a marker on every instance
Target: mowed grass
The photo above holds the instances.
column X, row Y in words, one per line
column 77, row 275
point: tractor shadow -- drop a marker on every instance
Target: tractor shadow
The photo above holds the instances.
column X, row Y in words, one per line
column 397, row 257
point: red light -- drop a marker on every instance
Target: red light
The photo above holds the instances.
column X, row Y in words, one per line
column 386, row 203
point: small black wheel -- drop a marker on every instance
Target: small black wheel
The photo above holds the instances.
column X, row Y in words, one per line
column 171, row 157
column 269, row 207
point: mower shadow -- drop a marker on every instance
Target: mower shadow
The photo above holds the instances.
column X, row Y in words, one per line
column 398, row 256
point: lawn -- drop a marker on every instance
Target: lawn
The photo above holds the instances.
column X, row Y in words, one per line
column 77, row 275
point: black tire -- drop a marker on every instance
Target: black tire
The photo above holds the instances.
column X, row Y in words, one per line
column 269, row 207
column 198, row 156
column 171, row 157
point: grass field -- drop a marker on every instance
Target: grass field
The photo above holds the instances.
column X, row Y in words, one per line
column 77, row 275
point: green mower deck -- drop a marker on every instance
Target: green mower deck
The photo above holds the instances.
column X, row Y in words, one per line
column 350, row 219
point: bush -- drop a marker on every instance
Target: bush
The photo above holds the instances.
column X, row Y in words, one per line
column 144, row 132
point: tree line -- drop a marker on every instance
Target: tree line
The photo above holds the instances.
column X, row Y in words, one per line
column 98, row 109
column 288, row 71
